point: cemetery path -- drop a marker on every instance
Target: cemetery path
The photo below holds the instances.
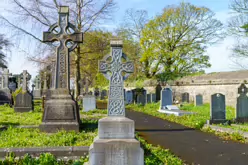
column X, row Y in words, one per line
column 192, row 146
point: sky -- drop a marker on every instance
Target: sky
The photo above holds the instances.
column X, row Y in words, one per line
column 219, row 53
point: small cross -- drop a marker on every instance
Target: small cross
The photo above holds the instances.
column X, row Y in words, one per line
column 45, row 81
column 242, row 89
column 37, row 82
column 62, row 72
column 116, row 106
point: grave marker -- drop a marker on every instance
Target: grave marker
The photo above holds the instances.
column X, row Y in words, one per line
column 166, row 98
column 198, row 100
column 242, row 104
column 185, row 97
column 24, row 100
column 61, row 111
column 116, row 143
column 218, row 108
column 158, row 92
column 37, row 90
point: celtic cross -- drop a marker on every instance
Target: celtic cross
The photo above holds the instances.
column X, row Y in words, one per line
column 60, row 32
column 116, row 106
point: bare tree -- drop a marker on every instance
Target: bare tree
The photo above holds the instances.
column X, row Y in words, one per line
column 4, row 45
column 31, row 18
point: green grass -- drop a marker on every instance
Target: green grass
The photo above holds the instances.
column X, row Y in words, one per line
column 9, row 117
column 197, row 120
column 22, row 137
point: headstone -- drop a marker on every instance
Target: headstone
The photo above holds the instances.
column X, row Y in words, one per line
column 103, row 94
column 218, row 108
column 129, row 97
column 5, row 93
column 37, row 90
column 89, row 103
column 198, row 100
column 61, row 111
column 158, row 92
column 96, row 92
column 24, row 100
column 44, row 90
column 153, row 98
column 141, row 99
column 116, row 143
column 185, row 97
column 148, row 98
column 166, row 98
column 242, row 104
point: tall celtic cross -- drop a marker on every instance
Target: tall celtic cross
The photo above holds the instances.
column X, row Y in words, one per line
column 116, row 105
column 61, row 32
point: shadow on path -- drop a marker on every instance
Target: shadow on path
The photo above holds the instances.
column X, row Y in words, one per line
column 192, row 146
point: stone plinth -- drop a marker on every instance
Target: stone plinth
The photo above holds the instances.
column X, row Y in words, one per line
column 115, row 143
column 61, row 112
column 89, row 103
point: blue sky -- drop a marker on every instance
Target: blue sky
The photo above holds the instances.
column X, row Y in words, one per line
column 219, row 53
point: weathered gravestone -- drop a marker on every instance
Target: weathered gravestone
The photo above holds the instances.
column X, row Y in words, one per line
column 89, row 102
column 5, row 93
column 217, row 109
column 242, row 104
column 61, row 111
column 129, row 97
column 148, row 98
column 103, row 94
column 24, row 100
column 116, row 143
column 153, row 98
column 158, row 92
column 37, row 90
column 140, row 96
column 198, row 100
column 166, row 98
column 185, row 97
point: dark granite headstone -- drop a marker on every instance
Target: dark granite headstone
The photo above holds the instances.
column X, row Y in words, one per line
column 5, row 97
column 166, row 98
column 129, row 97
column 103, row 94
column 218, row 108
column 242, row 104
column 185, row 97
column 148, row 98
column 153, row 97
column 158, row 92
column 198, row 100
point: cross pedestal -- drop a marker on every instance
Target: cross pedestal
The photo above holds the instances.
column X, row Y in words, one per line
column 116, row 143
column 61, row 111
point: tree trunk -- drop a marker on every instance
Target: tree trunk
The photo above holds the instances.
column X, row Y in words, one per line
column 77, row 74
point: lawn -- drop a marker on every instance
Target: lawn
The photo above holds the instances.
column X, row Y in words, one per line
column 197, row 120
column 30, row 137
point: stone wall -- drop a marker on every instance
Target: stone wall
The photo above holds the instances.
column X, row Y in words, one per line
column 230, row 90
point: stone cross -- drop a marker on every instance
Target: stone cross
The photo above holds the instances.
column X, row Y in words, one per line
column 116, row 106
column 5, row 78
column 37, row 82
column 19, row 81
column 242, row 90
column 62, row 69
column 24, row 82
column 45, row 81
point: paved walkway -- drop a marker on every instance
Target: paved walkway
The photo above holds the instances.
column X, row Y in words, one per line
column 193, row 146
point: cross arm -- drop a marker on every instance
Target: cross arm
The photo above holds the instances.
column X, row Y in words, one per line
column 128, row 67
column 103, row 66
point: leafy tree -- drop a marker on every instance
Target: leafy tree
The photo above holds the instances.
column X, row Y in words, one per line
column 4, row 45
column 174, row 43
column 238, row 27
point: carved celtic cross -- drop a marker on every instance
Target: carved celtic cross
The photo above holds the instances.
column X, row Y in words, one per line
column 116, row 106
column 61, row 32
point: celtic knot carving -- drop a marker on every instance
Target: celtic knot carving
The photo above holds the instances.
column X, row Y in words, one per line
column 116, row 107
column 116, row 92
